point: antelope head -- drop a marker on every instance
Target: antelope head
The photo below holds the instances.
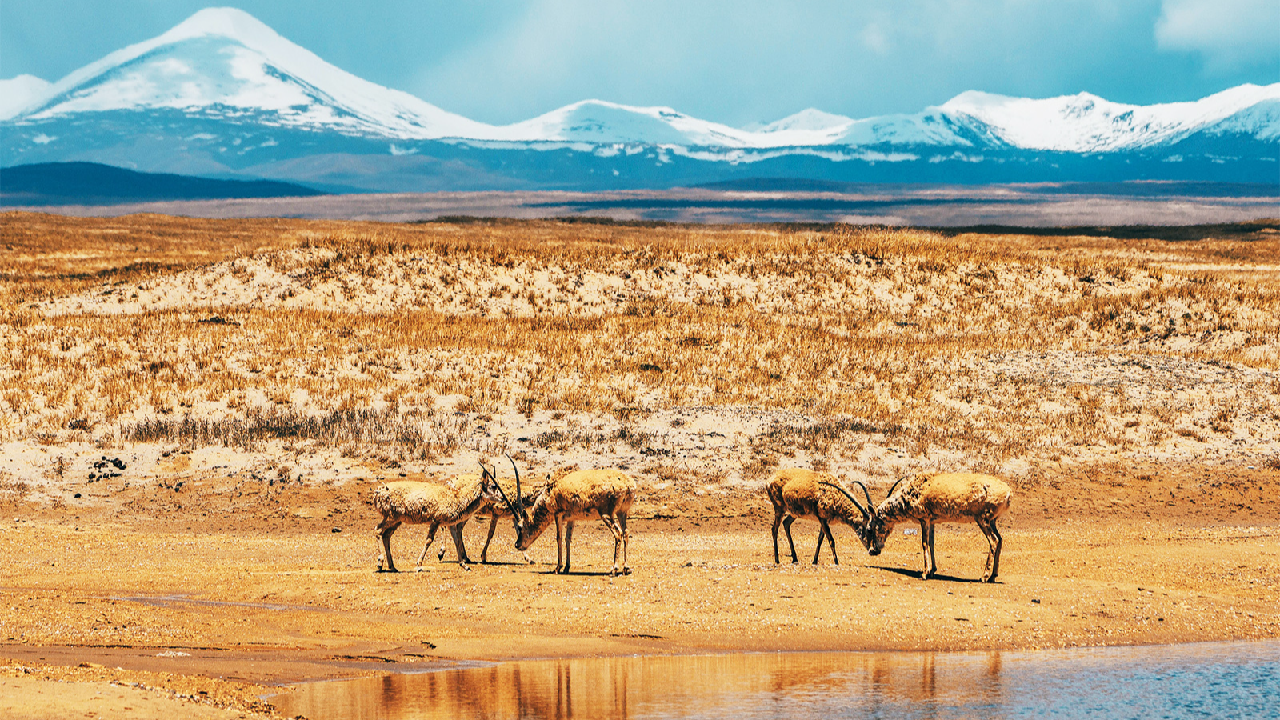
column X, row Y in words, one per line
column 874, row 530
column 878, row 528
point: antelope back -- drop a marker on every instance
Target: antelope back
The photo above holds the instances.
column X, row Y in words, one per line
column 956, row 497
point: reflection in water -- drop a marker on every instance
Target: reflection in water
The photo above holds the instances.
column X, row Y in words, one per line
column 1202, row 680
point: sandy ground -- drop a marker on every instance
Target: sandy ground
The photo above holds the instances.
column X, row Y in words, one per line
column 146, row 602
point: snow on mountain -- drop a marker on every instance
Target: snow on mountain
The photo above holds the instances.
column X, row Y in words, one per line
column 596, row 121
column 223, row 64
column 599, row 122
column 810, row 120
column 224, row 61
column 1261, row 120
column 18, row 93
column 1086, row 123
column 926, row 128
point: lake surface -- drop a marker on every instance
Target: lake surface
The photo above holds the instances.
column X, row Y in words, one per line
column 1201, row 680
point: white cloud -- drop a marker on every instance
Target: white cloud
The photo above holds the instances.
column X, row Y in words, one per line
column 19, row 92
column 875, row 39
column 745, row 61
column 1228, row 33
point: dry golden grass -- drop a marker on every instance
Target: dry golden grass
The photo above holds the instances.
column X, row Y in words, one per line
column 398, row 341
column 50, row 255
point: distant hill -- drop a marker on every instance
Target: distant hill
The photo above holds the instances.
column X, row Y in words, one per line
column 84, row 183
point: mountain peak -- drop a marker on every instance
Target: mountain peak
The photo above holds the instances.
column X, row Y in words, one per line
column 808, row 119
column 221, row 21
column 977, row 102
column 231, row 23
column 222, row 58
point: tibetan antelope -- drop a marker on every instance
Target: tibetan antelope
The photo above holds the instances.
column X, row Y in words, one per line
column 579, row 495
column 937, row 498
column 798, row 493
column 450, row 505
column 496, row 509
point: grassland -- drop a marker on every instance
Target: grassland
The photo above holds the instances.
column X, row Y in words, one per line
column 679, row 351
column 192, row 413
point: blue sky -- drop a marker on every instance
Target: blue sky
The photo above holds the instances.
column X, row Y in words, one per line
column 734, row 62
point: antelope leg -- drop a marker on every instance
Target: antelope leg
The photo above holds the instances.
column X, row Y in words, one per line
column 431, row 537
column 456, row 531
column 777, row 520
column 559, row 547
column 568, row 544
column 926, row 547
column 384, row 531
column 493, row 524
column 786, row 525
column 835, row 559
column 622, row 525
column 611, row 522
column 995, row 542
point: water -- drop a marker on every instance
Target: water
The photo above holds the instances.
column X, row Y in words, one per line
column 1203, row 680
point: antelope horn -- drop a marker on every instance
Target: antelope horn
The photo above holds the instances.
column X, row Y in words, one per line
column 517, row 471
column 506, row 500
column 870, row 504
column 519, row 495
column 895, row 486
column 847, row 494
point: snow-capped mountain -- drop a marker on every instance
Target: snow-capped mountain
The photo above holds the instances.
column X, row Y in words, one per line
column 1086, row 123
column 222, row 93
column 1261, row 121
column 224, row 62
column 599, row 122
